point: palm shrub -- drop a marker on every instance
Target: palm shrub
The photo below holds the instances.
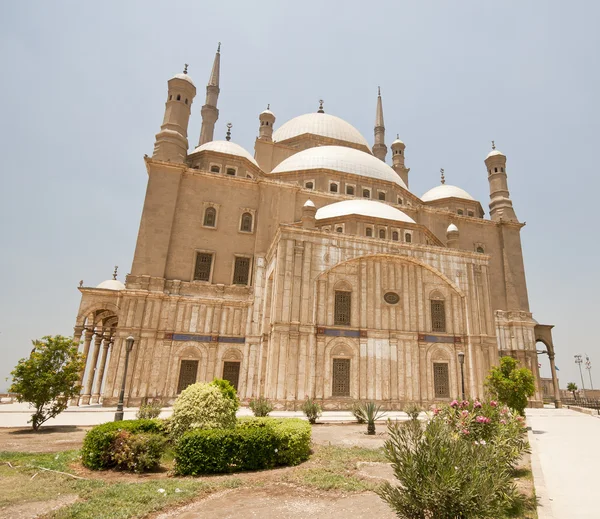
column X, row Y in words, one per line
column 357, row 411
column 413, row 410
column 202, row 406
column 312, row 410
column 371, row 412
column 441, row 476
column 260, row 406
column 572, row 387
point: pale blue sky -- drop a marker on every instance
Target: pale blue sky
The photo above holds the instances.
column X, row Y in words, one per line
column 82, row 96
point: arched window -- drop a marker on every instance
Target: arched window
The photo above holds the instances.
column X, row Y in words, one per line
column 340, row 229
column 350, row 190
column 366, row 193
column 395, row 236
column 170, row 97
column 309, row 185
column 495, row 170
column 399, row 201
column 382, row 233
column 502, row 169
column 408, row 237
column 246, row 225
column 470, row 213
column 381, row 195
column 186, row 101
column 341, row 314
column 210, row 217
column 480, row 250
column 333, row 187
column 438, row 315
column 231, row 171
column 340, row 377
column 215, row 169
column 369, row 232
column 178, row 97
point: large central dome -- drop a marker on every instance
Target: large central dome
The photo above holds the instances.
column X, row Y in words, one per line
column 325, row 125
column 342, row 159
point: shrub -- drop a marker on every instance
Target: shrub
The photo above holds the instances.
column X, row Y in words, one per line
column 137, row 452
column 441, row 476
column 261, row 406
column 510, row 384
column 228, row 390
column 96, row 453
column 256, row 443
column 357, row 411
column 202, row 406
column 149, row 411
column 312, row 410
column 413, row 410
column 370, row 412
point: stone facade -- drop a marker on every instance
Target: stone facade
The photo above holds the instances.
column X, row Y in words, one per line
column 237, row 274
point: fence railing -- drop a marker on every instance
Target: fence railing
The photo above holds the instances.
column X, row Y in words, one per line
column 590, row 403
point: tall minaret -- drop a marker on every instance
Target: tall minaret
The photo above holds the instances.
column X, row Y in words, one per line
column 379, row 148
column 171, row 144
column 210, row 112
column 500, row 203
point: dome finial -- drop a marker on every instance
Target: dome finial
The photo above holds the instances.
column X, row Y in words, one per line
column 268, row 106
column 228, row 136
column 219, row 48
column 185, row 68
column 115, row 272
column 443, row 179
column 493, row 145
column 397, row 136
column 379, row 91
column 320, row 110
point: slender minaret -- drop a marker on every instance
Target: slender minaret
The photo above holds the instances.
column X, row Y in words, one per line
column 267, row 119
column 501, row 207
column 171, row 144
column 379, row 148
column 210, row 112
column 398, row 148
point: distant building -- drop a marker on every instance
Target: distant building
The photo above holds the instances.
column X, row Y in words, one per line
column 307, row 269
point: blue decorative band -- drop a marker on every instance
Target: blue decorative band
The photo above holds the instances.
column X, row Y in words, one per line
column 203, row 338
column 439, row 338
column 334, row 332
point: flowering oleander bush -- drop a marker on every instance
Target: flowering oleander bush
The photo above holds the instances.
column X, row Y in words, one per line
column 137, row 452
column 202, row 406
column 312, row 410
column 260, row 406
column 149, row 411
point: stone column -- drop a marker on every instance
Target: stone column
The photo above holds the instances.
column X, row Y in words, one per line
column 85, row 398
column 99, row 379
column 77, row 331
column 89, row 333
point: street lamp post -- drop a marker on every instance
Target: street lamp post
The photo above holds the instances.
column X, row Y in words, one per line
column 588, row 366
column 128, row 347
column 461, row 361
column 579, row 361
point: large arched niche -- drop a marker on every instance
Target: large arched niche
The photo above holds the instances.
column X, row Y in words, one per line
column 345, row 349
column 442, row 354
column 188, row 350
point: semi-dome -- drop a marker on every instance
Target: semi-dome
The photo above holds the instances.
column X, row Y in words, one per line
column 342, row 159
column 227, row 147
column 325, row 125
column 371, row 208
column 451, row 228
column 111, row 284
column 185, row 77
column 445, row 191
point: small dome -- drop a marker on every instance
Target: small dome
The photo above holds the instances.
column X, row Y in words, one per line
column 451, row 228
column 445, row 191
column 325, row 125
column 494, row 152
column 111, row 284
column 267, row 112
column 371, row 208
column 227, row 147
column 309, row 203
column 398, row 141
column 342, row 159
column 185, row 77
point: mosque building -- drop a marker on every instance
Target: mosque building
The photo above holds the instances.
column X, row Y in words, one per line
column 307, row 269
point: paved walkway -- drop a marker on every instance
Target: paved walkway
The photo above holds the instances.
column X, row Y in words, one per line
column 565, row 462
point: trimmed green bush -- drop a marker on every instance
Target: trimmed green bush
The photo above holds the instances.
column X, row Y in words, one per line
column 255, row 444
column 228, row 390
column 139, row 452
column 97, row 450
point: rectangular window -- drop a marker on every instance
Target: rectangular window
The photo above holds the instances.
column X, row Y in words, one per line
column 187, row 374
column 381, row 195
column 231, row 372
column 203, row 266
column 438, row 316
column 342, row 308
column 341, row 377
column 441, row 381
column 241, row 272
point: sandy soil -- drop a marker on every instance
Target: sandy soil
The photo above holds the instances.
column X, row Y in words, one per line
column 48, row 439
column 349, row 435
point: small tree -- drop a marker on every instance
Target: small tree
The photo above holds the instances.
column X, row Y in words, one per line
column 510, row 384
column 49, row 378
column 572, row 387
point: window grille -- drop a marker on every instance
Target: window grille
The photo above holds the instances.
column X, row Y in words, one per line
column 460, row 211
column 241, row 272
column 309, row 185
column 341, row 377
column 366, row 193
column 246, row 222
column 231, row 171
column 231, row 372
column 480, row 250
column 210, row 217
column 408, row 238
column 438, row 316
column 215, row 169
column 441, row 380
column 342, row 308
column 333, row 187
column 187, row 374
column 203, row 265
column 381, row 195
column 395, row 236
column 369, row 232
column 340, row 229
column 349, row 190
column 382, row 233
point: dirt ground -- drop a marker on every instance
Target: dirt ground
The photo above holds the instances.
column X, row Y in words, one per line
column 282, row 501
column 349, row 435
column 48, row 439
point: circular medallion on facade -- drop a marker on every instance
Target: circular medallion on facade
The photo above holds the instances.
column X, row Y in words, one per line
column 391, row 298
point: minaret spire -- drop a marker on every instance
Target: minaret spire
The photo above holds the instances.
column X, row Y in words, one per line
column 210, row 112
column 379, row 147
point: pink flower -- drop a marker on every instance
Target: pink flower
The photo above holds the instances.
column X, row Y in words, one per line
column 493, row 403
column 465, row 431
column 464, row 413
column 482, row 419
column 520, row 419
column 454, row 403
column 504, row 410
column 503, row 422
column 464, row 403
column 477, row 404
column 436, row 411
